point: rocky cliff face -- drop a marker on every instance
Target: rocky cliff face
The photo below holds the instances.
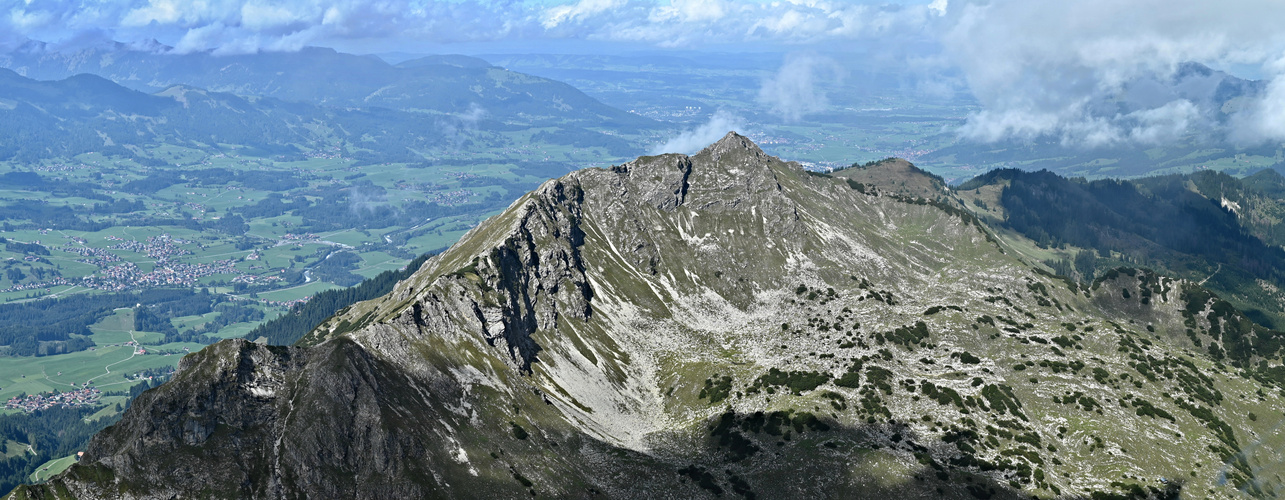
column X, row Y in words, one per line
column 724, row 324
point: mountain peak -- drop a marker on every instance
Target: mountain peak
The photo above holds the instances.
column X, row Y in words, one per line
column 896, row 176
column 735, row 147
column 733, row 142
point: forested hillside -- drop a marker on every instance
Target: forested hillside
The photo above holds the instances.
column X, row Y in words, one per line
column 1178, row 224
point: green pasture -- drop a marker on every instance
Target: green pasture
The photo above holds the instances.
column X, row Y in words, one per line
column 12, row 449
column 109, row 408
column 32, row 375
column 298, row 292
column 186, row 322
column 106, row 364
column 350, row 237
column 52, row 468
column 378, row 262
column 236, row 330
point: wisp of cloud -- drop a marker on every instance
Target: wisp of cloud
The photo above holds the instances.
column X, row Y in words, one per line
column 691, row 141
column 793, row 91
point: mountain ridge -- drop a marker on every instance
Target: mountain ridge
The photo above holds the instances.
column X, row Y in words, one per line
column 682, row 326
column 89, row 113
column 1183, row 225
column 450, row 84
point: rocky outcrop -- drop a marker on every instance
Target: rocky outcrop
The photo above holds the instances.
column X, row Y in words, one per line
column 279, row 421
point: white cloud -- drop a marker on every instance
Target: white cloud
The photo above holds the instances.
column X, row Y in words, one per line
column 691, row 11
column 795, row 90
column 457, row 128
column 157, row 11
column 991, row 125
column 1165, row 123
column 22, row 19
column 1264, row 120
column 1074, row 70
column 582, row 9
column 1075, row 126
column 938, row 7
column 230, row 26
column 257, row 16
column 792, row 21
column 691, row 141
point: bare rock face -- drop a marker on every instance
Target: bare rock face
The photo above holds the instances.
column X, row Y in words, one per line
column 278, row 421
column 718, row 325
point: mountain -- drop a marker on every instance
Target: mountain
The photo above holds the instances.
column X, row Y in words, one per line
column 1208, row 227
column 83, row 113
column 723, row 325
column 1220, row 93
column 1258, row 200
column 440, row 85
column 86, row 113
column 897, row 177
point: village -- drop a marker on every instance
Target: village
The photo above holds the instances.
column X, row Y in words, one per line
column 161, row 247
column 128, row 275
column 87, row 396
column 56, row 281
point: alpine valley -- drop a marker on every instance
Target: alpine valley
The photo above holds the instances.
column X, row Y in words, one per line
column 730, row 325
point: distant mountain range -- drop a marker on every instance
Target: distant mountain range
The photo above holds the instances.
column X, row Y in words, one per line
column 114, row 97
column 83, row 113
column 273, row 104
column 436, row 84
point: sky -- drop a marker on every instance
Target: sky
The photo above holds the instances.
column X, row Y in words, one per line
column 249, row 25
column 1089, row 73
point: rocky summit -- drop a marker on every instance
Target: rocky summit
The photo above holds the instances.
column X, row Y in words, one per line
column 724, row 325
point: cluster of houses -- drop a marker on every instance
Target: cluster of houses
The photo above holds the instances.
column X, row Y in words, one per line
column 52, row 282
column 285, row 303
column 161, row 247
column 87, row 396
column 92, row 255
column 127, row 275
column 61, row 167
column 255, row 279
column 116, row 274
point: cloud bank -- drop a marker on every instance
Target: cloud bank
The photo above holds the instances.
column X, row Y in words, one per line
column 1104, row 72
